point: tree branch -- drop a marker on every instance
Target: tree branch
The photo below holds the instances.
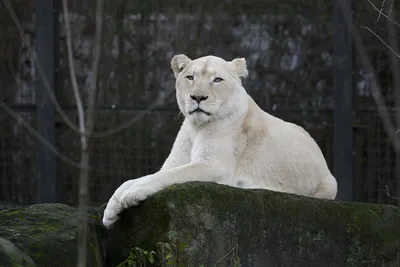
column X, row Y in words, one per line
column 383, row 14
column 38, row 136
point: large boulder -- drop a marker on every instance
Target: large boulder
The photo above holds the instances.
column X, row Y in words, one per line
column 48, row 234
column 221, row 224
column 11, row 256
column 209, row 224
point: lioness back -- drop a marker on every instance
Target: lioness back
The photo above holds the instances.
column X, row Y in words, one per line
column 278, row 154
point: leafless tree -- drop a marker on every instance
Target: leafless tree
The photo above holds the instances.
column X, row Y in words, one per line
column 86, row 124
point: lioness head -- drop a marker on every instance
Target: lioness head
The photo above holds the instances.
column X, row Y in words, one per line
column 209, row 87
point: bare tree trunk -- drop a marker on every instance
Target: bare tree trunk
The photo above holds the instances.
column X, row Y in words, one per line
column 85, row 151
column 86, row 126
column 82, row 209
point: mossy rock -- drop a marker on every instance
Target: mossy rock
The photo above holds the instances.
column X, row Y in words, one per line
column 48, row 234
column 261, row 227
column 11, row 256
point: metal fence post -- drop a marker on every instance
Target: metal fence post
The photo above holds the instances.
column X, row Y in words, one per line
column 46, row 50
column 343, row 86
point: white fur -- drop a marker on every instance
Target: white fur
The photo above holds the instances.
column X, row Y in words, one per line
column 237, row 144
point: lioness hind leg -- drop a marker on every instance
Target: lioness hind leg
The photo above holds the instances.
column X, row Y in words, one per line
column 327, row 189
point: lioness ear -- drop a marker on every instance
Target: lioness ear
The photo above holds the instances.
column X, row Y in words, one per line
column 178, row 63
column 239, row 67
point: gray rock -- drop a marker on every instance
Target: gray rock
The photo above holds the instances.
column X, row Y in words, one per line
column 259, row 227
column 48, row 234
column 11, row 256
column 217, row 224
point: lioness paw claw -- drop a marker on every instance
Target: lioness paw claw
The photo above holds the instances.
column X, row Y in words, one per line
column 131, row 198
column 108, row 222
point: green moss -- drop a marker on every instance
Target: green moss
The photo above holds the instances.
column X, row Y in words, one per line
column 145, row 237
column 268, row 228
column 10, row 255
column 12, row 212
column 94, row 217
column 47, row 232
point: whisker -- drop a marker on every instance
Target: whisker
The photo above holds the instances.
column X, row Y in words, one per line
column 177, row 116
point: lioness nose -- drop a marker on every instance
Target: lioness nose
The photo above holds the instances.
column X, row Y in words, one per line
column 198, row 98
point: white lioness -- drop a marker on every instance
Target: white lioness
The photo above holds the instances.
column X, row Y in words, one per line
column 226, row 138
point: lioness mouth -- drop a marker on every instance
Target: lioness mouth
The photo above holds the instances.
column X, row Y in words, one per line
column 199, row 110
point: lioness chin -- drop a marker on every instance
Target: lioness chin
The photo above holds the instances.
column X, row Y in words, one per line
column 226, row 138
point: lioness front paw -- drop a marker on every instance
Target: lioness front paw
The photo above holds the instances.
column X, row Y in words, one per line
column 129, row 194
column 114, row 206
column 109, row 218
column 111, row 212
column 133, row 195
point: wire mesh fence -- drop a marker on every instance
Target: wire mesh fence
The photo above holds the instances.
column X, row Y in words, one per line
column 287, row 46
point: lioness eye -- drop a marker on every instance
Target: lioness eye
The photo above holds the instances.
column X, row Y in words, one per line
column 190, row 77
column 218, row 80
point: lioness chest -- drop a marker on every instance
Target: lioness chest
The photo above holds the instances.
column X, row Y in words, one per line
column 226, row 143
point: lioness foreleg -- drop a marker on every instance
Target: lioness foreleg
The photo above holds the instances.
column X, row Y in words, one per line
column 133, row 191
